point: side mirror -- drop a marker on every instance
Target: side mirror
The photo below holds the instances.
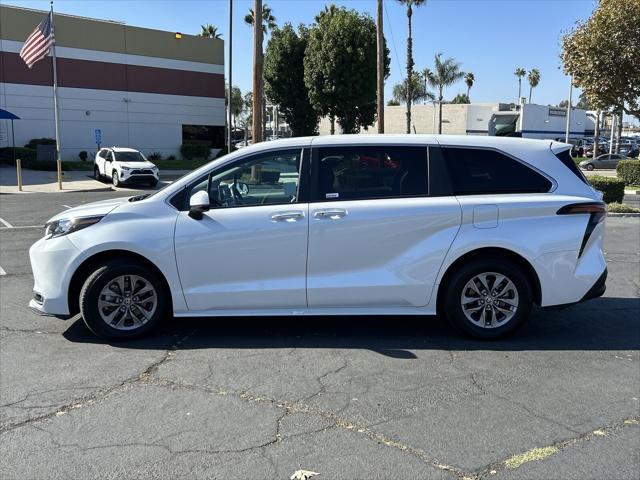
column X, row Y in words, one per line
column 198, row 204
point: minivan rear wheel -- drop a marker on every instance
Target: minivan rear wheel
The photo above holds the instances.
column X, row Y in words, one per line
column 488, row 298
column 122, row 300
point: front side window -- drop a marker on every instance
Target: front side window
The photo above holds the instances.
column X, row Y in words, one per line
column 476, row 171
column 271, row 178
column 370, row 172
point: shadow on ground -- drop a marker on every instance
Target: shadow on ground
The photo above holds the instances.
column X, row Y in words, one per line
column 603, row 324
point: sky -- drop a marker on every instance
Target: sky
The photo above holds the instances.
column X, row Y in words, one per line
column 488, row 37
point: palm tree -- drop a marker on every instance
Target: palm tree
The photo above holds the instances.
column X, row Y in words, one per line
column 469, row 79
column 534, row 80
column 268, row 23
column 268, row 20
column 418, row 91
column 445, row 73
column 520, row 72
column 410, row 4
column 209, row 31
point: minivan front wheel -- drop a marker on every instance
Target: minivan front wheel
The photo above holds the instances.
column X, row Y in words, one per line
column 122, row 300
column 488, row 298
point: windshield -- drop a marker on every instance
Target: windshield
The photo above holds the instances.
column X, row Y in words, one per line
column 130, row 157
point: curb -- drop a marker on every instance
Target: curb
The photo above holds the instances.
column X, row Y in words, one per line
column 85, row 190
column 629, row 215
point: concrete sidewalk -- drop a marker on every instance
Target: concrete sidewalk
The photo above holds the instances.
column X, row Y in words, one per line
column 35, row 181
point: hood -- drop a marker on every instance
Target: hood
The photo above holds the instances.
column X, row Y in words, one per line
column 133, row 165
column 90, row 209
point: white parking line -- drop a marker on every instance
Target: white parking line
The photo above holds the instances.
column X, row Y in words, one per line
column 66, row 206
column 2, row 271
column 5, row 223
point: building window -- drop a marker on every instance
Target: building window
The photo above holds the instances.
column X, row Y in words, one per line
column 210, row 135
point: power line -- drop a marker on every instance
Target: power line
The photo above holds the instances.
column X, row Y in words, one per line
column 393, row 41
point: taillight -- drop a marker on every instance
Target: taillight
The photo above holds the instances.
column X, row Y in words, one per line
column 597, row 211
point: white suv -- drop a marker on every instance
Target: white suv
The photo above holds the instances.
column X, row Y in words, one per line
column 124, row 165
column 477, row 229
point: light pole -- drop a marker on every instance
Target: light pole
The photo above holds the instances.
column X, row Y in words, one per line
column 566, row 136
column 229, row 95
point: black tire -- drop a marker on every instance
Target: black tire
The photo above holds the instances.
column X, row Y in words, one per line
column 90, row 293
column 96, row 173
column 590, row 167
column 115, row 179
column 456, row 283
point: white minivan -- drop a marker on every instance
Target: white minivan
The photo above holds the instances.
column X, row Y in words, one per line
column 476, row 229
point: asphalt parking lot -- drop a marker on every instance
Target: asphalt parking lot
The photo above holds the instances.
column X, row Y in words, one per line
column 348, row 398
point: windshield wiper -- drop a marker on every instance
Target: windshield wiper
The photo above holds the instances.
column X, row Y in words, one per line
column 139, row 197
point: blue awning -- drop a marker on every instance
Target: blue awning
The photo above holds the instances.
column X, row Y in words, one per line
column 4, row 115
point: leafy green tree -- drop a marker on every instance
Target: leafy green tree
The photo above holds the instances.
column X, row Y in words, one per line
column 209, row 31
column 445, row 73
column 237, row 102
column 520, row 72
column 410, row 4
column 284, row 79
column 469, row 78
column 602, row 55
column 417, row 88
column 461, row 98
column 534, row 80
column 340, row 67
column 393, row 103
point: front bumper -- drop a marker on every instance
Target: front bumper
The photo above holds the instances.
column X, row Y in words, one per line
column 127, row 176
column 53, row 262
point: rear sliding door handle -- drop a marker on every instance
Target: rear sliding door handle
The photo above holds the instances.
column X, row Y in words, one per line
column 287, row 216
column 332, row 214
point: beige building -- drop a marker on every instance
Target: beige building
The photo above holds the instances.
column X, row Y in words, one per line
column 127, row 86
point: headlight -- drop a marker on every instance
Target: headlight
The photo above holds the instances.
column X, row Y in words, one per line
column 65, row 226
column 122, row 167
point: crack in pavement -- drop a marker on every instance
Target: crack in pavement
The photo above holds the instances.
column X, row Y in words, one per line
column 541, row 453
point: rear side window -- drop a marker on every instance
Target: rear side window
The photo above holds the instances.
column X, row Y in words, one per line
column 476, row 171
column 370, row 172
column 565, row 158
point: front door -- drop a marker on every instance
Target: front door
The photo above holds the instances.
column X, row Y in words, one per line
column 376, row 238
column 250, row 250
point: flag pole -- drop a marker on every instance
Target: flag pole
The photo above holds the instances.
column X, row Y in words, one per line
column 55, row 104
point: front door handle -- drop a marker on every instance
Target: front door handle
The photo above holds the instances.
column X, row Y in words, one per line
column 331, row 214
column 293, row 216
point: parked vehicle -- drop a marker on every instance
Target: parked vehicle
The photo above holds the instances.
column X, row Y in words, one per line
column 124, row 165
column 606, row 161
column 477, row 229
column 603, row 147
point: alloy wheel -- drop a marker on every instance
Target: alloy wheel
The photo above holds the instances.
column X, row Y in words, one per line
column 489, row 300
column 127, row 302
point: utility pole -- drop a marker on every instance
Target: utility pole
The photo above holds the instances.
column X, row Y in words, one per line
column 229, row 95
column 257, row 71
column 380, row 47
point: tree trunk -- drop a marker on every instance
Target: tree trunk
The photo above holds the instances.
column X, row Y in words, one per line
column 519, row 90
column 530, row 92
column 380, row 69
column 332, row 120
column 468, row 90
column 257, row 72
column 619, row 133
column 409, row 69
column 440, row 113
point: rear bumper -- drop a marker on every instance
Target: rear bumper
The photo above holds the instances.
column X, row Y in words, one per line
column 598, row 288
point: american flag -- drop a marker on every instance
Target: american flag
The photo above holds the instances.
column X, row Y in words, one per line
column 37, row 46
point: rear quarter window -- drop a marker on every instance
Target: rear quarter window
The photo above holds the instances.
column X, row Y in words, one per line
column 565, row 158
column 477, row 171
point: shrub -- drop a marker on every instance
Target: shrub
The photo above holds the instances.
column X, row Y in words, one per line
column 171, row 158
column 622, row 208
column 24, row 154
column 612, row 188
column 629, row 171
column 83, row 155
column 154, row 157
column 34, row 142
column 194, row 150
